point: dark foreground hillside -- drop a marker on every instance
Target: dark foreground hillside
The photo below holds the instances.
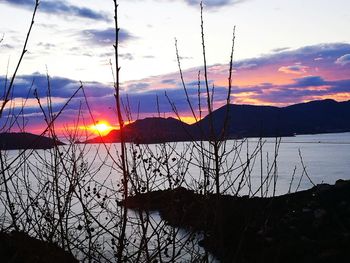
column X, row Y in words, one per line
column 18, row 247
column 307, row 226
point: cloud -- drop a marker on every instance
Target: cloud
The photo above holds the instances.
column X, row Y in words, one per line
column 7, row 46
column 100, row 98
column 183, row 58
column 246, row 66
column 46, row 45
column 309, row 81
column 126, row 56
column 256, row 81
column 280, row 49
column 304, row 55
column 213, row 3
column 301, row 89
column 294, row 69
column 138, row 87
column 147, row 100
column 60, row 87
column 343, row 60
column 105, row 37
column 169, row 81
column 340, row 86
column 60, row 8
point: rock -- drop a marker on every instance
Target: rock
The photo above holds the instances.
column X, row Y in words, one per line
column 341, row 183
column 18, row 247
column 306, row 210
column 319, row 213
column 269, row 239
column 323, row 187
column 296, row 227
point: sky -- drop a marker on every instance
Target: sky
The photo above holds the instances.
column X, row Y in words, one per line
column 286, row 52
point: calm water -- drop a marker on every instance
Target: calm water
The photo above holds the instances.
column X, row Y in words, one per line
column 326, row 158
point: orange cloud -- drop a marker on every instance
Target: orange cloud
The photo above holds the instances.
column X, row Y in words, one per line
column 294, row 69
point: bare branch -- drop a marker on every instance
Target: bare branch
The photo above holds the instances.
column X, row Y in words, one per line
column 8, row 92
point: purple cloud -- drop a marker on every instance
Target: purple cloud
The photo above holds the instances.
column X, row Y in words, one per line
column 169, row 81
column 343, row 60
column 301, row 88
column 213, row 3
column 60, row 8
column 256, row 84
column 105, row 37
column 60, row 87
column 309, row 81
column 298, row 89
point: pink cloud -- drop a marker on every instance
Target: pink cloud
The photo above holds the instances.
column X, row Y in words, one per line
column 294, row 69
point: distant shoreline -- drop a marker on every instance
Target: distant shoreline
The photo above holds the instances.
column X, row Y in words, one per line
column 257, row 138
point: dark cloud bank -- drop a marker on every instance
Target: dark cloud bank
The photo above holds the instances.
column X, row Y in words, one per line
column 60, row 8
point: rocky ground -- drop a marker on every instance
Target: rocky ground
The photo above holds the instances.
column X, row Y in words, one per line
column 17, row 247
column 307, row 226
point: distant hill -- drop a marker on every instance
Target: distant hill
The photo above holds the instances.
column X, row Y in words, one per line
column 22, row 140
column 149, row 130
column 324, row 116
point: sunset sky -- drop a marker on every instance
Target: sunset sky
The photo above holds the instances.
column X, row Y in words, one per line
column 286, row 52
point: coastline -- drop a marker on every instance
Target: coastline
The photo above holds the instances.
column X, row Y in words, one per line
column 306, row 226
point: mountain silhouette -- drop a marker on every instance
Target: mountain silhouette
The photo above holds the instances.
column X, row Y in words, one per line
column 324, row 116
column 23, row 140
column 237, row 121
column 149, row 130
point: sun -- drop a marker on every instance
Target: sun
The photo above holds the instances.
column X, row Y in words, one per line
column 101, row 128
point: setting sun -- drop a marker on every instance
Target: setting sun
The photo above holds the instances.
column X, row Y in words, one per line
column 101, row 128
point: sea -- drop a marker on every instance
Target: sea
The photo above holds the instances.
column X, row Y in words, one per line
column 282, row 165
column 254, row 167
